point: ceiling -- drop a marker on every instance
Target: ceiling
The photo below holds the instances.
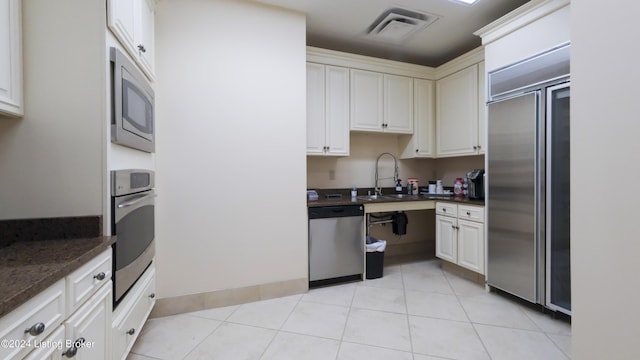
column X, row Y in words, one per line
column 343, row 25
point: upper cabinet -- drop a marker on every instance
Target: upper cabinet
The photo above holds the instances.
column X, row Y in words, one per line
column 11, row 58
column 460, row 112
column 381, row 102
column 367, row 94
column 422, row 142
column 132, row 22
column 327, row 110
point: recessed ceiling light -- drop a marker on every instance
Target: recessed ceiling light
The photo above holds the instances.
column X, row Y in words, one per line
column 468, row 2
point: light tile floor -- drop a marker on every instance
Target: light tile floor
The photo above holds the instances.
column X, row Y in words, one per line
column 414, row 312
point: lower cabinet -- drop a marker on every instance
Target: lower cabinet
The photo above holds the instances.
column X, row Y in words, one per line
column 460, row 235
column 130, row 315
column 87, row 331
column 71, row 318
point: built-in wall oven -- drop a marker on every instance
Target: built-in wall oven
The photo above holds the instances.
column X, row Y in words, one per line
column 133, row 222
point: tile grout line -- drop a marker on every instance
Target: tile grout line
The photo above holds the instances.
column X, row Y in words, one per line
column 344, row 329
column 406, row 308
column 279, row 329
column 473, row 326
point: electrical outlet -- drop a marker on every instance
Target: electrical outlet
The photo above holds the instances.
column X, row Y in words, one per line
column 332, row 174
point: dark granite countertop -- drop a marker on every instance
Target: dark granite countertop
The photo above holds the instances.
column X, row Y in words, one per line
column 29, row 267
column 360, row 201
column 35, row 253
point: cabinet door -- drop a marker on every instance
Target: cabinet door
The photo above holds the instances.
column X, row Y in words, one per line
column 90, row 327
column 457, row 113
column 315, row 109
column 482, row 109
column 424, row 125
column 471, row 245
column 446, row 238
column 10, row 57
column 337, row 110
column 122, row 21
column 145, row 36
column 398, row 104
column 366, row 100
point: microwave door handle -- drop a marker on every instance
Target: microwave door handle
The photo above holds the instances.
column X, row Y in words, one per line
column 135, row 201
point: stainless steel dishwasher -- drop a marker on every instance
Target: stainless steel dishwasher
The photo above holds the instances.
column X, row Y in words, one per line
column 336, row 243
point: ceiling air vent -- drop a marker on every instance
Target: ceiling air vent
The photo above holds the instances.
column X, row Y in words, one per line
column 397, row 25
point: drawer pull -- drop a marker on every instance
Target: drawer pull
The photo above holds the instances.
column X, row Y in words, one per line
column 35, row 330
column 131, row 331
column 101, row 276
column 444, row 210
column 468, row 213
column 152, row 295
column 71, row 352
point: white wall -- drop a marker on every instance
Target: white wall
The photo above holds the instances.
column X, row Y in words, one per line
column 231, row 107
column 51, row 160
column 604, row 146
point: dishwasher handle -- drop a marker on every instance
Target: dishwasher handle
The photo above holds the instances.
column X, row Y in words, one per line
column 323, row 212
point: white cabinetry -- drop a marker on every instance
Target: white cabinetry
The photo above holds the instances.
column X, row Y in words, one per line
column 131, row 314
column 398, row 104
column 327, row 110
column 460, row 235
column 367, row 95
column 381, row 102
column 132, row 22
column 422, row 142
column 40, row 314
column 54, row 329
column 11, row 58
column 457, row 113
column 89, row 328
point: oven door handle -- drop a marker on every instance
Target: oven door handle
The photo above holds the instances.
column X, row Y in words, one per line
column 136, row 200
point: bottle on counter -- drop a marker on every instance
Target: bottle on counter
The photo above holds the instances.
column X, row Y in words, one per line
column 412, row 186
column 457, row 187
column 399, row 186
column 354, row 191
column 439, row 188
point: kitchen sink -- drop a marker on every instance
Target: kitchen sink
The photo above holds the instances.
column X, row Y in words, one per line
column 368, row 197
column 399, row 196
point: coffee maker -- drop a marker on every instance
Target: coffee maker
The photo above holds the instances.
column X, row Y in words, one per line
column 475, row 187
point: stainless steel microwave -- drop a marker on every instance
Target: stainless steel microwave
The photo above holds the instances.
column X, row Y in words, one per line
column 132, row 105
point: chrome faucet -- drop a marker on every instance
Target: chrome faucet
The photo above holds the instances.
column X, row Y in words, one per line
column 378, row 190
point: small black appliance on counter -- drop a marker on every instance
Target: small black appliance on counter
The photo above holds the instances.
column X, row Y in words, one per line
column 475, row 187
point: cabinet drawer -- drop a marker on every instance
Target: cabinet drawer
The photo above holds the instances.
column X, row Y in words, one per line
column 86, row 280
column 45, row 310
column 51, row 348
column 472, row 213
column 132, row 313
column 448, row 209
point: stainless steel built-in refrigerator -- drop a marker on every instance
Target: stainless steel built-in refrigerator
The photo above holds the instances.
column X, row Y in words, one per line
column 528, row 180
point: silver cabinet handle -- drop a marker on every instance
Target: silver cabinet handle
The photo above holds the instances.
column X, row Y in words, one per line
column 101, row 276
column 36, row 329
column 131, row 331
column 141, row 48
column 71, row 352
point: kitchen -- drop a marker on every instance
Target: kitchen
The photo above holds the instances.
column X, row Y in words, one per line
column 270, row 156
